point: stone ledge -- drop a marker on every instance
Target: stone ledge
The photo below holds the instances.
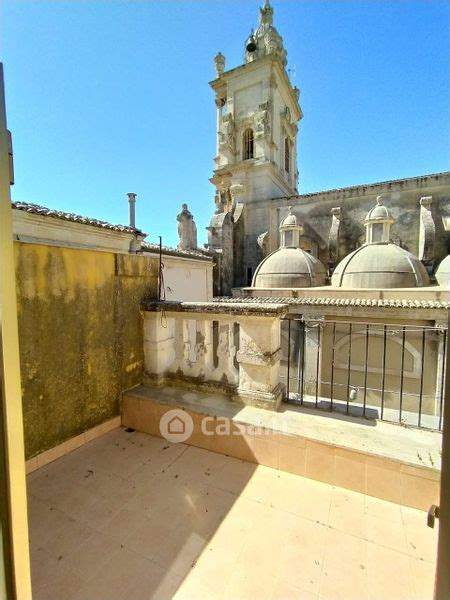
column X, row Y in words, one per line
column 376, row 458
column 227, row 308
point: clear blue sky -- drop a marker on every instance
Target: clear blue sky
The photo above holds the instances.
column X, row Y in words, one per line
column 109, row 97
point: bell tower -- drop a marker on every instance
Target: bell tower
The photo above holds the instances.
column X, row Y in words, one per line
column 256, row 151
column 257, row 116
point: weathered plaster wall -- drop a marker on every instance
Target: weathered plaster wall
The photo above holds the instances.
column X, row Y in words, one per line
column 80, row 334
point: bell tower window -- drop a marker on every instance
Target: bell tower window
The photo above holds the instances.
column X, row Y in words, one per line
column 287, row 155
column 248, row 144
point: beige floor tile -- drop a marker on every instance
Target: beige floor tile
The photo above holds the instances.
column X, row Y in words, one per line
column 423, row 575
column 90, row 556
column 340, row 546
column 286, row 591
column 343, row 581
column 383, row 509
column 386, row 533
column 186, row 523
column 385, row 564
column 247, row 583
column 68, row 539
column 421, row 542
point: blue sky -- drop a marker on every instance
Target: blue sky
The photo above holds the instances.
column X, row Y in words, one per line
column 109, row 97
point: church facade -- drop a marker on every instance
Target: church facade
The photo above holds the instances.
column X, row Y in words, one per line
column 256, row 178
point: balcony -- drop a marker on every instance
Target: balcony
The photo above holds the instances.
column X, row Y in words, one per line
column 132, row 516
column 227, row 480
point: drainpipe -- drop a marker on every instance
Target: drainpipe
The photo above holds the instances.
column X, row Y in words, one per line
column 132, row 203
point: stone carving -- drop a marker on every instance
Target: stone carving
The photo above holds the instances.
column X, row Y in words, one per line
column 187, row 229
column 228, row 138
column 427, row 232
column 263, row 242
column 333, row 238
column 263, row 120
column 219, row 62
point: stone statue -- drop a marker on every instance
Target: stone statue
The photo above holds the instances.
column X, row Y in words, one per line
column 228, row 137
column 263, row 119
column 219, row 62
column 187, row 229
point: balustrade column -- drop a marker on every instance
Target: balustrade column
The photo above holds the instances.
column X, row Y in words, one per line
column 159, row 344
column 259, row 361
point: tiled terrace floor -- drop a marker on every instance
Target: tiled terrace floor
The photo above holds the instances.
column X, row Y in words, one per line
column 130, row 516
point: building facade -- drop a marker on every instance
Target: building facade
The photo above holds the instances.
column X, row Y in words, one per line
column 256, row 177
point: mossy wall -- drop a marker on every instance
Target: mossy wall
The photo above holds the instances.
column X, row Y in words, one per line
column 80, row 335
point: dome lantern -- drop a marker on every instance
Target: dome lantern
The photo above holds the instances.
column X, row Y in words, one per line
column 378, row 223
column 290, row 231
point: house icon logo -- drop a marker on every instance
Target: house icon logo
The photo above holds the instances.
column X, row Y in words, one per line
column 176, row 425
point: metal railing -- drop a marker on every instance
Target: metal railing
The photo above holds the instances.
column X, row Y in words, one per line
column 393, row 372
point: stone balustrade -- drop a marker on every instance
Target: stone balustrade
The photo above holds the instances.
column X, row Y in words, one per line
column 234, row 348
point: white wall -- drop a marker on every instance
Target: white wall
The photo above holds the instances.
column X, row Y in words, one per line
column 188, row 279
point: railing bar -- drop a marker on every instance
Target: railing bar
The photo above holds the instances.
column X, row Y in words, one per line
column 298, row 356
column 332, row 365
column 349, row 365
column 383, row 372
column 319, row 330
column 441, row 399
column 395, row 326
column 303, row 330
column 422, row 363
column 365, row 370
column 289, row 359
column 401, row 375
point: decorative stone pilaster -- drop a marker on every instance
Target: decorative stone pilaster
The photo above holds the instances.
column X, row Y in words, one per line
column 259, row 362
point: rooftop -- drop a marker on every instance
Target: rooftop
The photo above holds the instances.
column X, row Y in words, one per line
column 374, row 186
column 36, row 209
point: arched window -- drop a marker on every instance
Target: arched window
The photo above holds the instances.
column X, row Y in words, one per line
column 287, row 155
column 247, row 144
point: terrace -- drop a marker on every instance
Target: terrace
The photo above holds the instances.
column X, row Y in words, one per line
column 132, row 516
column 287, row 503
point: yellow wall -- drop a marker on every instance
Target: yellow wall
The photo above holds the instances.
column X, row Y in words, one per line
column 80, row 335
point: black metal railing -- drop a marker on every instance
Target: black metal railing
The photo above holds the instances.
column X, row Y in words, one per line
column 393, row 372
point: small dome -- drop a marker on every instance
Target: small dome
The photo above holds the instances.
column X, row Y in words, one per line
column 443, row 272
column 379, row 212
column 289, row 268
column 380, row 266
column 289, row 221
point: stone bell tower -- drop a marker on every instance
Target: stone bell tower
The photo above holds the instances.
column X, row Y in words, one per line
column 256, row 156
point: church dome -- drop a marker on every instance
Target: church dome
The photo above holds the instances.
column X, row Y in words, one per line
column 378, row 212
column 289, row 220
column 443, row 272
column 380, row 265
column 289, row 267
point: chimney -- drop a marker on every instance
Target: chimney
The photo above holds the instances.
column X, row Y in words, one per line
column 132, row 203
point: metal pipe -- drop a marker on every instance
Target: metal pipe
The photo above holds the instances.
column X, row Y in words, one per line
column 332, row 365
column 383, row 371
column 441, row 400
column 289, row 359
column 365, row 370
column 132, row 205
column 319, row 329
column 401, row 375
column 422, row 364
column 349, row 364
